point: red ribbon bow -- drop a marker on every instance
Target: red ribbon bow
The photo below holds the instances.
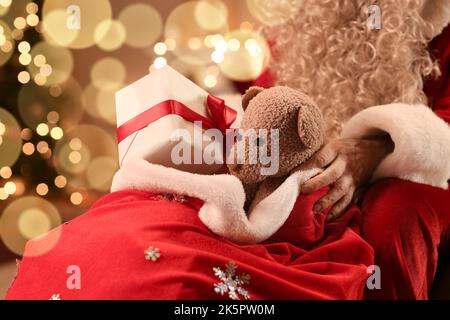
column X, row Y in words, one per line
column 221, row 115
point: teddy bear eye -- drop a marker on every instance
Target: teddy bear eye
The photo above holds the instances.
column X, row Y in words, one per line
column 259, row 142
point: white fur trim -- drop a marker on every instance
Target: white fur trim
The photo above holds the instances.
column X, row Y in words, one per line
column 223, row 211
column 437, row 12
column 421, row 138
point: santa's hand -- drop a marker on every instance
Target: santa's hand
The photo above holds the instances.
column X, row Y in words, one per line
column 348, row 164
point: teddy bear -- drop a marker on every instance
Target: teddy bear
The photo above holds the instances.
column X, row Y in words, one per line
column 300, row 127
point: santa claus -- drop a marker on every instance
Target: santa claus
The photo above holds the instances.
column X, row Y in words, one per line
column 369, row 82
column 166, row 234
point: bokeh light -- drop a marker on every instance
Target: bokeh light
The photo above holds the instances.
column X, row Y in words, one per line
column 57, row 133
column 82, row 148
column 5, row 172
column 33, row 222
column 25, row 59
column 23, row 77
column 108, row 74
column 10, row 141
column 60, row 181
column 3, row 194
column 72, row 23
column 36, row 102
column 185, row 24
column 9, row 188
column 32, row 20
column 53, row 117
column 249, row 60
column 160, row 48
column 42, row 189
column 42, row 129
column 28, row 148
column 32, row 8
column 20, row 23
column 42, row 147
column 27, row 218
column 143, row 24
column 76, row 198
column 100, row 103
column 100, row 171
column 54, row 63
column 211, row 14
column 6, row 43
column 110, row 35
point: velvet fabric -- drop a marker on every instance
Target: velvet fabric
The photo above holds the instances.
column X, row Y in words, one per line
column 108, row 242
column 407, row 223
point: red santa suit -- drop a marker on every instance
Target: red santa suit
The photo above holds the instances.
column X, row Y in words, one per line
column 152, row 239
column 407, row 220
column 408, row 223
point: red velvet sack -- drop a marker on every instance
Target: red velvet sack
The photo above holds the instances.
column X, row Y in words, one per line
column 106, row 246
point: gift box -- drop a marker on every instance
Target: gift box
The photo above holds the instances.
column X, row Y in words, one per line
column 164, row 117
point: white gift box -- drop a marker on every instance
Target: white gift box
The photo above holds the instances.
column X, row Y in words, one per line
column 155, row 141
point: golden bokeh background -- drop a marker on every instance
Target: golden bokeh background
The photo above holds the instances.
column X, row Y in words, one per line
column 61, row 62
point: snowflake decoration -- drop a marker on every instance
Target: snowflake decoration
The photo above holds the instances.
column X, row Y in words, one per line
column 152, row 254
column 230, row 282
column 55, row 297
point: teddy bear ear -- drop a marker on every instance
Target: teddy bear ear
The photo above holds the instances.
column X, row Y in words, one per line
column 249, row 95
column 310, row 126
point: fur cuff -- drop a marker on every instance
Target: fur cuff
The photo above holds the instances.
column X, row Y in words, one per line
column 223, row 195
column 421, row 138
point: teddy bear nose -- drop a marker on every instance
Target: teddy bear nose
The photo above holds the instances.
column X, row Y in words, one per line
column 235, row 166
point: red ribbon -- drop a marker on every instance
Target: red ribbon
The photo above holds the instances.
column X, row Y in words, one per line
column 222, row 116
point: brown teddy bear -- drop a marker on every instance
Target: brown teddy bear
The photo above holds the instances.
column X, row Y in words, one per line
column 300, row 134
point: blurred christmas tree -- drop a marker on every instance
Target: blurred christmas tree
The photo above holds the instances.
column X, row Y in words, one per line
column 34, row 168
column 37, row 106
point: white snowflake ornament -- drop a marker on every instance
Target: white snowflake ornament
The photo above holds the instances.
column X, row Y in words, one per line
column 230, row 282
column 152, row 254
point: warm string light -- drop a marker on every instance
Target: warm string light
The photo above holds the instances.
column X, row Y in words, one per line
column 60, row 182
column 160, row 48
column 3, row 194
column 76, row 198
column 32, row 8
column 26, row 134
column 23, row 77
column 9, row 188
column 5, row 3
column 28, row 148
column 26, row 218
column 5, row 172
column 20, row 23
column 42, row 189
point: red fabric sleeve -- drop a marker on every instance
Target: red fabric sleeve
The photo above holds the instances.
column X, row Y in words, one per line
column 438, row 91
